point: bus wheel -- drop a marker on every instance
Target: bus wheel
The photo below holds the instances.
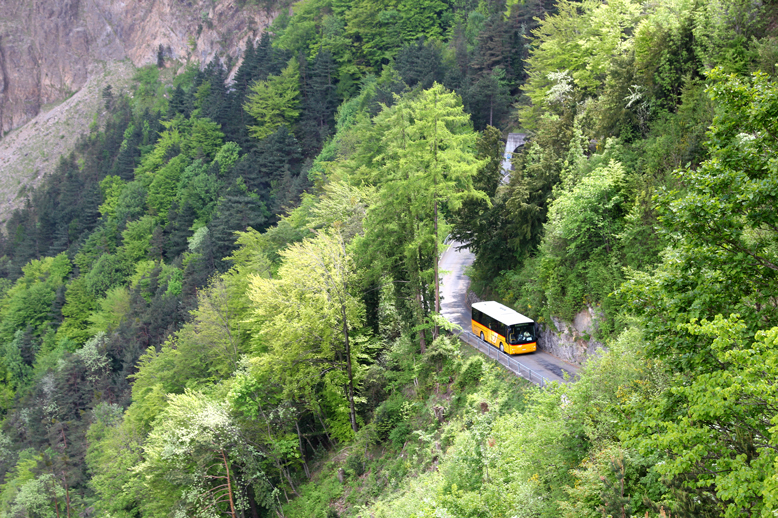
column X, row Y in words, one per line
column 482, row 336
column 502, row 349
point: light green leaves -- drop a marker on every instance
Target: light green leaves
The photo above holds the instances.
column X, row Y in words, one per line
column 586, row 216
column 725, row 430
column 308, row 314
column 274, row 102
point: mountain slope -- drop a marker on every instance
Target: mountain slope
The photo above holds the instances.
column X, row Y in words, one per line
column 52, row 49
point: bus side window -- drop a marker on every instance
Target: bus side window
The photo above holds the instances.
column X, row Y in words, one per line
column 477, row 316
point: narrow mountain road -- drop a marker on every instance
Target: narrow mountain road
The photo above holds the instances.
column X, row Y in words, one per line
column 538, row 367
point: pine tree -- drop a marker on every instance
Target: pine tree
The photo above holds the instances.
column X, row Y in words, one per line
column 237, row 210
column 320, row 101
column 419, row 64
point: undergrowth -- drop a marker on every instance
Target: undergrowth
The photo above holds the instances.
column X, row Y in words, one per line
column 429, row 402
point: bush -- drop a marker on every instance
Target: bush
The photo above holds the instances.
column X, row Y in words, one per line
column 471, row 373
column 387, row 415
column 355, row 464
column 399, row 435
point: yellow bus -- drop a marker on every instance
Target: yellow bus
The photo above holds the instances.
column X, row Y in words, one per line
column 504, row 328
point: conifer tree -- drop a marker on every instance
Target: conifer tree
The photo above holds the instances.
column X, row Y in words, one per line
column 426, row 163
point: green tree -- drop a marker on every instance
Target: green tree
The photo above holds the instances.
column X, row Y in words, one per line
column 79, row 304
column 474, row 224
column 577, row 44
column 164, row 186
column 197, row 441
column 722, row 261
column 274, row 102
column 111, row 188
column 110, row 310
column 722, row 439
column 425, row 163
column 309, row 313
column 28, row 302
column 204, row 139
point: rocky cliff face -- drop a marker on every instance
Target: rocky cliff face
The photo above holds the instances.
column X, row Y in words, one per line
column 571, row 341
column 49, row 47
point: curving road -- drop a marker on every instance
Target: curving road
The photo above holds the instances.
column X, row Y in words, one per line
column 539, row 367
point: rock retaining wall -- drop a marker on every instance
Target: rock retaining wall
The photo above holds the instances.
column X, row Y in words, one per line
column 571, row 342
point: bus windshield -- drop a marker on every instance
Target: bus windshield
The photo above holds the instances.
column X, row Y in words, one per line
column 521, row 334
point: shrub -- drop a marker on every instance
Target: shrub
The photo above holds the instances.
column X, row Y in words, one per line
column 399, row 435
column 355, row 464
column 471, row 373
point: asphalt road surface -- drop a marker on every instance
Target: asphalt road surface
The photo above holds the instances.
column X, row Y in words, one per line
column 453, row 290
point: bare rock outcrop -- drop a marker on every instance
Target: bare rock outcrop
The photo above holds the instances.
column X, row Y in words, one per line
column 571, row 341
column 47, row 47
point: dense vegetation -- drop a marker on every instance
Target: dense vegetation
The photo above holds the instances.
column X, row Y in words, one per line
column 224, row 300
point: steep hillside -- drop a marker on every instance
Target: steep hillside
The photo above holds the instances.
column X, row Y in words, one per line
column 225, row 300
column 47, row 47
column 29, row 152
column 51, row 49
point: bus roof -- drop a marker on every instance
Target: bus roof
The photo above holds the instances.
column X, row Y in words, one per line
column 504, row 314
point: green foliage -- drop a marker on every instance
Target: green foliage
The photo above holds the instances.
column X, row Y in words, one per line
column 204, row 139
column 108, row 271
column 197, row 441
column 198, row 190
column 586, row 218
column 423, row 163
column 29, row 300
column 309, row 312
column 724, row 418
column 114, row 450
column 136, row 239
column 574, row 52
column 163, row 188
column 255, row 375
column 111, row 188
column 18, row 371
column 227, row 155
column 110, row 310
column 274, row 102
column 169, row 143
column 474, row 222
column 21, row 495
column 471, row 372
column 79, row 304
column 583, row 231
column 149, row 91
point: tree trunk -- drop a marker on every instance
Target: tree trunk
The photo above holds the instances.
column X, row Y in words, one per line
column 229, row 484
column 352, row 410
column 436, row 330
column 56, row 504
column 324, row 426
column 252, row 503
column 67, row 494
column 422, row 340
column 302, row 452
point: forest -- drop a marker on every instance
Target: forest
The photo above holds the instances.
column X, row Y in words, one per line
column 223, row 301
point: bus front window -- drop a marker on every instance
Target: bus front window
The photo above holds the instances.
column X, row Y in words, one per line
column 522, row 334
